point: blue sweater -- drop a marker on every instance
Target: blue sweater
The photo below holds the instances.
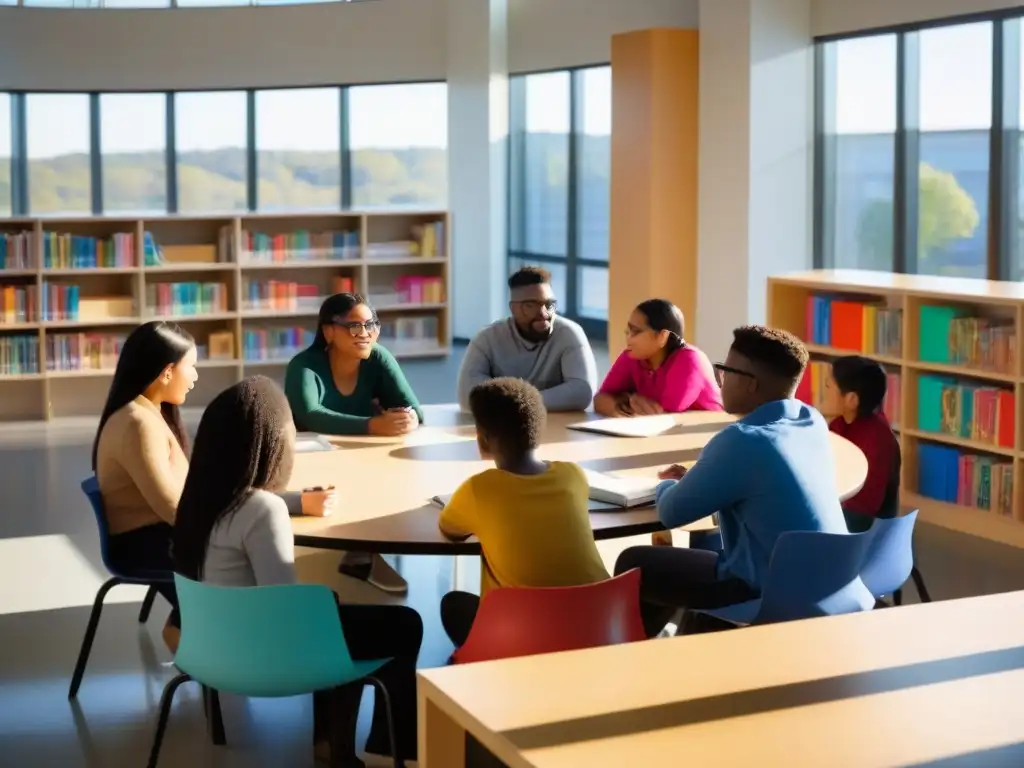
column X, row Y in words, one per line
column 766, row 474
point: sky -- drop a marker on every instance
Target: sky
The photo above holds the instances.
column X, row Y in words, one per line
column 380, row 116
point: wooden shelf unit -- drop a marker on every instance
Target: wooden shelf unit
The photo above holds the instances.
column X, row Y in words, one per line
column 218, row 240
column 787, row 309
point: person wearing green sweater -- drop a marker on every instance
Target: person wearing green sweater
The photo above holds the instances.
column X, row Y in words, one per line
column 345, row 384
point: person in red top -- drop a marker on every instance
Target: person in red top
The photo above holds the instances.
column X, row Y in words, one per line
column 856, row 390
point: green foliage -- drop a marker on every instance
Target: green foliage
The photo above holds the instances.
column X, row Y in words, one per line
column 946, row 213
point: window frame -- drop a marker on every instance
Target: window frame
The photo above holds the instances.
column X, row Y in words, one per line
column 572, row 261
column 1003, row 249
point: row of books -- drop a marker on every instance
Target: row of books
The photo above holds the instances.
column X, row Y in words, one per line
column 812, row 390
column 64, row 251
column 17, row 304
column 191, row 298
column 16, row 251
column 425, row 240
column 19, row 355
column 949, row 336
column 300, row 245
column 950, row 475
column 979, row 413
column 60, row 301
column 418, row 289
column 280, row 295
column 419, row 328
column 275, row 343
column 83, row 351
column 871, row 329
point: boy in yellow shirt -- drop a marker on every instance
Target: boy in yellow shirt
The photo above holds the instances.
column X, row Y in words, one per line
column 531, row 516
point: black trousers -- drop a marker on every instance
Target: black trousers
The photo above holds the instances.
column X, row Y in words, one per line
column 458, row 610
column 142, row 552
column 375, row 632
column 672, row 578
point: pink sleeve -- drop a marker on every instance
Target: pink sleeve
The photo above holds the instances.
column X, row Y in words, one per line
column 687, row 380
column 620, row 377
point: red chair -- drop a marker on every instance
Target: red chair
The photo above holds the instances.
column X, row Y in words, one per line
column 520, row 621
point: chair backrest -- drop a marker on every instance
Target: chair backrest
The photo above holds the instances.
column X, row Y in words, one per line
column 91, row 488
column 516, row 621
column 262, row 641
column 815, row 574
column 889, row 558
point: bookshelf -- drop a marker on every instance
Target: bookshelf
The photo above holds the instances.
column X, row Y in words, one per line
column 957, row 357
column 247, row 287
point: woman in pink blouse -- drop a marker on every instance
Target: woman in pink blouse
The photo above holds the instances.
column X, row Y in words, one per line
column 658, row 372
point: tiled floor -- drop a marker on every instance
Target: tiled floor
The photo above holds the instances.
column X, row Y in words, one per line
column 50, row 570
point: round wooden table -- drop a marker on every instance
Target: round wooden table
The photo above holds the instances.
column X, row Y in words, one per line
column 385, row 484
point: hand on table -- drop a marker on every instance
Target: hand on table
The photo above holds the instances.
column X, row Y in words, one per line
column 675, row 472
column 622, row 406
column 642, row 406
column 394, row 422
column 318, row 502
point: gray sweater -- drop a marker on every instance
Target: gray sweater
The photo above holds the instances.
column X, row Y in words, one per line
column 562, row 367
column 254, row 546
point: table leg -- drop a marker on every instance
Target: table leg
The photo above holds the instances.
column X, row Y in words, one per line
column 442, row 741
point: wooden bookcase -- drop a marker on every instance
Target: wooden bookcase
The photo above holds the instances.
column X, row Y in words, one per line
column 787, row 309
column 213, row 249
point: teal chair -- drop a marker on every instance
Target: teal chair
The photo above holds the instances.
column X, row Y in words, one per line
column 265, row 642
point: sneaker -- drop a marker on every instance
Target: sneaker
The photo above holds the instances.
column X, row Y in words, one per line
column 356, row 566
column 386, row 578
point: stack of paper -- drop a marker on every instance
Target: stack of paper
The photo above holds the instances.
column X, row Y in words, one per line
column 621, row 491
column 637, row 426
column 310, row 442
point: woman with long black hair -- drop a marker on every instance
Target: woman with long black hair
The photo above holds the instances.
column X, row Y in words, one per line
column 232, row 529
column 140, row 454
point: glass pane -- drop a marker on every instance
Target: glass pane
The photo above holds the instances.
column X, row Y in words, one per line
column 210, row 133
column 5, row 154
column 133, row 148
column 136, row 3
column 399, row 139
column 860, row 151
column 594, row 171
column 558, row 277
column 298, row 149
column 592, row 290
column 955, row 118
column 63, row 3
column 540, row 166
column 207, row 3
column 57, row 135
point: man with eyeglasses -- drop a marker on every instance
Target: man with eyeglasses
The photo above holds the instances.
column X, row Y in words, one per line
column 534, row 344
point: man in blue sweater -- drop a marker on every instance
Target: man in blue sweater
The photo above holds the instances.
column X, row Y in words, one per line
column 768, row 473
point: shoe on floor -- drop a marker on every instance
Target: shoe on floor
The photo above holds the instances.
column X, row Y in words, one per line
column 386, row 578
column 322, row 754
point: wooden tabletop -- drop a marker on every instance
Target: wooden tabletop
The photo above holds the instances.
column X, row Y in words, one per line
column 385, row 484
column 932, row 684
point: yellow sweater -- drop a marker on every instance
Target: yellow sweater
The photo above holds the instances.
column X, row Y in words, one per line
column 140, row 468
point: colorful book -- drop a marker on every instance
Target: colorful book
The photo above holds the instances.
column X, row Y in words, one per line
column 979, row 413
column 19, row 355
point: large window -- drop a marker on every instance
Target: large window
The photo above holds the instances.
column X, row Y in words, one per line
column 560, row 134
column 298, row 148
column 58, row 144
column 133, row 136
column 917, row 157
column 398, row 136
column 210, row 143
column 5, row 154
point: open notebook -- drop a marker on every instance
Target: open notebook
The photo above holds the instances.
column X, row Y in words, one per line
column 620, row 491
column 311, row 442
column 638, row 426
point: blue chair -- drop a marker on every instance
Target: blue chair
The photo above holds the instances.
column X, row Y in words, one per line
column 889, row 560
column 91, row 488
column 810, row 574
column 857, row 523
column 266, row 642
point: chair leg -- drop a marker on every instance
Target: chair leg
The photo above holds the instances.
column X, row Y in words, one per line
column 214, row 717
column 90, row 634
column 922, row 590
column 897, row 597
column 397, row 760
column 166, row 699
column 147, row 605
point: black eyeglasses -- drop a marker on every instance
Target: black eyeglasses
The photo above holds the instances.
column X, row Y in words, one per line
column 370, row 327
column 532, row 306
column 721, row 369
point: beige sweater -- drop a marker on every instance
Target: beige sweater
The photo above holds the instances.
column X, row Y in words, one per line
column 140, row 467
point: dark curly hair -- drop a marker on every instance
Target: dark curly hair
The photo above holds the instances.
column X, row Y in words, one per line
column 775, row 352
column 529, row 276
column 511, row 411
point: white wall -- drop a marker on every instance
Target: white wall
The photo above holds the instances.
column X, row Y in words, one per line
column 831, row 17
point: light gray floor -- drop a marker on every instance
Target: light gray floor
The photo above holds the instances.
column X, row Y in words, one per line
column 50, row 570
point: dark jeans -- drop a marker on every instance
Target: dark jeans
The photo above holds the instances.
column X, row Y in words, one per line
column 142, row 552
column 378, row 632
column 458, row 610
column 672, row 578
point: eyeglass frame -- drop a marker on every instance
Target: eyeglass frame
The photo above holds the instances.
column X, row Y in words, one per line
column 551, row 305
column 370, row 327
column 721, row 369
